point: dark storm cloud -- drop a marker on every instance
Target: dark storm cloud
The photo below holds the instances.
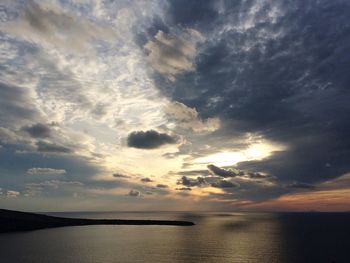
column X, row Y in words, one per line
column 46, row 147
column 276, row 69
column 38, row 130
column 149, row 139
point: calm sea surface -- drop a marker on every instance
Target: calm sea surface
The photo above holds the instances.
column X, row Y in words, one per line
column 216, row 237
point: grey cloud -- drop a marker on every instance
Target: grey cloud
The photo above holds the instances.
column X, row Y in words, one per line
column 222, row 172
column 234, row 172
column 38, row 130
column 208, row 181
column 8, row 136
column 134, row 193
column 200, row 181
column 46, row 147
column 16, row 105
column 224, row 184
column 149, row 139
column 119, row 175
column 99, row 110
column 257, row 175
column 146, row 180
column 162, row 186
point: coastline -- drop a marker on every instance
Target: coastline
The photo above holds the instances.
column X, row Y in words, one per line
column 15, row 221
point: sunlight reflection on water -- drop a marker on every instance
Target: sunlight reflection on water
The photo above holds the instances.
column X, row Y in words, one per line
column 217, row 237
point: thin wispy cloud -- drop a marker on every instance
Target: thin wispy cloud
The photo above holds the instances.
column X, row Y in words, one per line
column 46, row 171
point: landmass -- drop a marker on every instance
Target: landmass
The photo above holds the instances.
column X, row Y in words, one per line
column 12, row 221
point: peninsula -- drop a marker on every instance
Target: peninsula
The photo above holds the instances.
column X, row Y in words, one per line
column 12, row 221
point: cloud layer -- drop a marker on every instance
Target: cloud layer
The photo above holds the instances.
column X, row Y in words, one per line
column 184, row 102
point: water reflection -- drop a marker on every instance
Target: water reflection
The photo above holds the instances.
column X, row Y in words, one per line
column 217, row 237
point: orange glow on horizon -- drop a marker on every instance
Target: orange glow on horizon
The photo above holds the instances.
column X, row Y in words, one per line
column 337, row 200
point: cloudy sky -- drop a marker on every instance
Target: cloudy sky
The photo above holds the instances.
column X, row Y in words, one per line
column 175, row 105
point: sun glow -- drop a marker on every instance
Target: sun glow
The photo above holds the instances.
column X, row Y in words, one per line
column 256, row 151
column 221, row 158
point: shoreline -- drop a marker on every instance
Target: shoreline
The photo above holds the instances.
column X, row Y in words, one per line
column 16, row 221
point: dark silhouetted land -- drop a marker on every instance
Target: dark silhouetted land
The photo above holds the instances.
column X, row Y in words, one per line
column 11, row 221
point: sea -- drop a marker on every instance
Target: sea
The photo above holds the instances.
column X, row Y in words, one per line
column 216, row 237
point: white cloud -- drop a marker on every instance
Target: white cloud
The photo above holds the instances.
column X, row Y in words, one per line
column 55, row 184
column 12, row 194
column 188, row 118
column 46, row 171
column 9, row 193
column 49, row 25
column 173, row 54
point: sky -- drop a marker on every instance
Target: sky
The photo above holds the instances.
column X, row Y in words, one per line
column 238, row 105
